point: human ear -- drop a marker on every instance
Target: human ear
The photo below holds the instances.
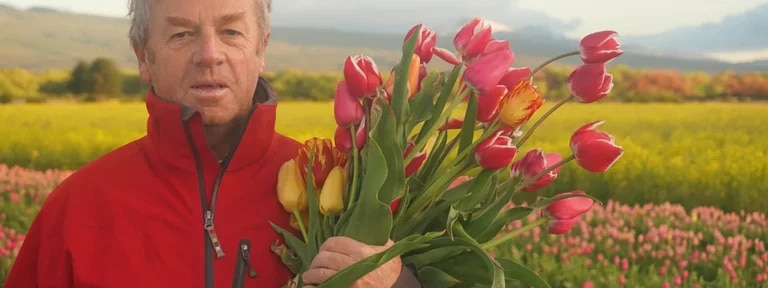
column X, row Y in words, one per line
column 141, row 56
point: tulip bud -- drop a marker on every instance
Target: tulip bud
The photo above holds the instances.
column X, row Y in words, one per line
column 472, row 38
column 331, row 199
column 416, row 162
column 568, row 208
column 347, row 109
column 291, row 189
column 453, row 123
column 514, row 76
column 425, row 43
column 519, row 104
column 343, row 138
column 590, row 82
column 533, row 163
column 394, row 205
column 362, row 76
column 496, row 152
column 488, row 69
column 488, row 103
column 595, row 151
column 446, row 56
column 414, row 76
column 600, row 47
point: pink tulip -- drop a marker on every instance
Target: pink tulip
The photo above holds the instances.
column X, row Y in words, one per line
column 568, row 208
column 595, row 151
column 343, row 138
column 600, row 47
column 533, row 163
column 458, row 181
column 446, row 56
column 498, row 45
column 362, row 75
column 488, row 103
column 590, row 82
column 588, row 284
column 425, row 44
column 496, row 152
column 488, row 69
column 472, row 38
column 514, row 76
column 346, row 108
column 560, row 227
column 416, row 162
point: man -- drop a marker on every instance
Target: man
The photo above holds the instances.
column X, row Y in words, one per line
column 189, row 204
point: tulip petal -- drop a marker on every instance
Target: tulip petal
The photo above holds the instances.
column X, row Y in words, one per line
column 560, row 227
column 488, row 103
column 346, row 108
column 486, row 71
column 569, row 208
column 446, row 56
column 598, row 155
column 514, row 76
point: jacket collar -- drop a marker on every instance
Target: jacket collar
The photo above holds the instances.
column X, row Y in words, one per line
column 172, row 129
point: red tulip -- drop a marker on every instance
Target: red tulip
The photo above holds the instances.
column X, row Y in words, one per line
column 496, row 152
column 590, row 82
column 453, row 123
column 425, row 43
column 472, row 38
column 488, row 69
column 488, row 103
column 416, row 162
column 326, row 157
column 568, row 208
column 343, row 138
column 362, row 75
column 346, row 108
column 514, row 76
column 559, row 227
column 394, row 205
column 446, row 55
column 595, row 151
column 533, row 163
column 600, row 47
column 458, row 181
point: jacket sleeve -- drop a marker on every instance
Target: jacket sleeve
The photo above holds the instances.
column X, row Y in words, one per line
column 407, row 279
column 42, row 260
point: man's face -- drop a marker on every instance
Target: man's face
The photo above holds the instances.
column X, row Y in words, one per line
column 204, row 54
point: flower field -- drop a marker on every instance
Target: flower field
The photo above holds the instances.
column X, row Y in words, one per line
column 694, row 155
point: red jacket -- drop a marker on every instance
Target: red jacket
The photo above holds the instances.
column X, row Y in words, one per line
column 135, row 217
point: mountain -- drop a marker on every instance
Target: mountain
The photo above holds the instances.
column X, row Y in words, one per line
column 57, row 40
column 734, row 33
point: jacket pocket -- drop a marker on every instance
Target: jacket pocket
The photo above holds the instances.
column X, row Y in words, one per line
column 243, row 264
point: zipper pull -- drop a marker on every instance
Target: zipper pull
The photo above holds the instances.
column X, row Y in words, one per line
column 246, row 255
column 212, row 234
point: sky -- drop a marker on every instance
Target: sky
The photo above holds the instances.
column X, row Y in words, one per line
column 577, row 18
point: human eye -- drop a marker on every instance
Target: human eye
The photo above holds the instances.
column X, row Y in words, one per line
column 231, row 32
column 181, row 35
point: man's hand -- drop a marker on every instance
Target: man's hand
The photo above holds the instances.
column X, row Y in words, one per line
column 338, row 253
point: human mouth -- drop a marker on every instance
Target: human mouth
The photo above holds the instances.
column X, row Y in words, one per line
column 206, row 89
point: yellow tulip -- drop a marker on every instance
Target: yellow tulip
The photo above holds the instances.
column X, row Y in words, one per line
column 518, row 105
column 332, row 195
column 291, row 190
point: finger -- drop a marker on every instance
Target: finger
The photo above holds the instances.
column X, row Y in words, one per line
column 317, row 275
column 331, row 260
column 341, row 244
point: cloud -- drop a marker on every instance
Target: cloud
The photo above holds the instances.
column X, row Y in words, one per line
column 398, row 15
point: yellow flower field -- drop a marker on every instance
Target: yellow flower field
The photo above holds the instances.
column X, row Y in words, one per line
column 694, row 154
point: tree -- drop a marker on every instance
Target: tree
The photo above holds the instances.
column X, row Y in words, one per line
column 106, row 78
column 79, row 81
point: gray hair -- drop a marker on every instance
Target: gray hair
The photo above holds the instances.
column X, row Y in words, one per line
column 138, row 11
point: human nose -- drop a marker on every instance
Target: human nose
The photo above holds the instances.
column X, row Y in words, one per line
column 208, row 52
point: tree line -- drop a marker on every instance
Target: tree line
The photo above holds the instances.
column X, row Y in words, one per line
column 100, row 80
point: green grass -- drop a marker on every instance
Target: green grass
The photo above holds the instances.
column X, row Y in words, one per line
column 693, row 154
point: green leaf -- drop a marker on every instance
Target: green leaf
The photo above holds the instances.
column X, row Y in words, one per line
column 496, row 274
column 435, row 254
column 371, row 222
column 400, row 89
column 341, row 225
column 467, row 133
column 295, row 244
column 493, row 228
column 518, row 271
column 347, row 276
column 434, row 122
column 457, row 265
column 314, row 209
column 482, row 184
column 482, row 220
column 394, row 183
column 433, row 161
column 423, row 102
column 433, row 277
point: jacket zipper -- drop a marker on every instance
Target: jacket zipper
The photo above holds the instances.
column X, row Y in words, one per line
column 209, row 230
column 243, row 262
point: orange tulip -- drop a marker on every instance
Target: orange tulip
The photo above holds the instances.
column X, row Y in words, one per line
column 413, row 78
column 519, row 104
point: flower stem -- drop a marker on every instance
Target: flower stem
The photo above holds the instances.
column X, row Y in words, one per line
column 541, row 120
column 355, row 168
column 506, row 237
column 558, row 57
column 533, row 179
column 297, row 214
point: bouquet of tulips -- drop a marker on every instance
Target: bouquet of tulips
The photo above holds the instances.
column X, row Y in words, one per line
column 431, row 160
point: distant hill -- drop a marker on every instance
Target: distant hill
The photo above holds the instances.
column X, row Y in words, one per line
column 53, row 39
